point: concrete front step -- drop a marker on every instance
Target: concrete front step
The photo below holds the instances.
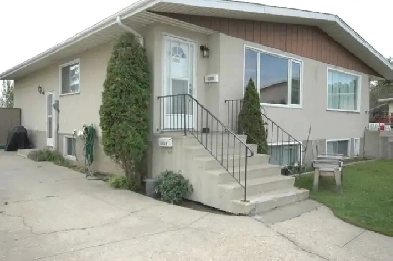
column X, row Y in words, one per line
column 222, row 176
column 232, row 191
column 211, row 179
column 200, row 150
column 268, row 201
column 213, row 139
column 210, row 162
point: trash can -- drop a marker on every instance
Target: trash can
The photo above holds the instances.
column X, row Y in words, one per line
column 150, row 189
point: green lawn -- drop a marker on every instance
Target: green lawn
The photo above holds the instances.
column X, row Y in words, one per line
column 367, row 198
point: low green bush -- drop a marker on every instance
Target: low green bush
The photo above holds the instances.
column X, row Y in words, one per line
column 121, row 182
column 173, row 187
column 48, row 155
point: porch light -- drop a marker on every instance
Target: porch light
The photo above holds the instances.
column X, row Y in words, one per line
column 40, row 90
column 205, row 51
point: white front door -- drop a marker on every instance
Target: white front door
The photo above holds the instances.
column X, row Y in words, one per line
column 179, row 79
column 50, row 116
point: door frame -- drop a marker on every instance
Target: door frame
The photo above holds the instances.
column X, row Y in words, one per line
column 50, row 142
column 164, row 87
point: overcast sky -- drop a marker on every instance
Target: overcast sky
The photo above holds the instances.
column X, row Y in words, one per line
column 30, row 27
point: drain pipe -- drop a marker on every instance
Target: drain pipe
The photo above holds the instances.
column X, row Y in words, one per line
column 129, row 29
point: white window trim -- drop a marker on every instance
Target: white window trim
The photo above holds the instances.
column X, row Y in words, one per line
column 257, row 84
column 61, row 77
column 289, row 143
column 69, row 157
column 348, row 149
column 359, row 89
column 354, row 151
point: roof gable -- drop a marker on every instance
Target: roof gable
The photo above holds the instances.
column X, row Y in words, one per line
column 332, row 25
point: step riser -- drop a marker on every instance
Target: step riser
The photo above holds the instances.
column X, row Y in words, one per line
column 214, row 164
column 238, row 192
column 264, row 206
column 202, row 151
column 251, row 174
column 215, row 143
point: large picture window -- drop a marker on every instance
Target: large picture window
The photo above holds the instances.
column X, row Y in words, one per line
column 277, row 78
column 343, row 91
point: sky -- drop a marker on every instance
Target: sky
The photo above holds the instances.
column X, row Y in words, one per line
column 30, row 27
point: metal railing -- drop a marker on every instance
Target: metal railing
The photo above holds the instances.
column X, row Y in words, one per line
column 283, row 148
column 182, row 112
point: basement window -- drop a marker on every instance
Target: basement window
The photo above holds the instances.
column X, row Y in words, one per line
column 70, row 78
column 69, row 147
column 338, row 147
column 285, row 154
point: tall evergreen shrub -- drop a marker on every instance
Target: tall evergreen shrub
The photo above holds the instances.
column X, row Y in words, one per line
column 250, row 120
column 124, row 113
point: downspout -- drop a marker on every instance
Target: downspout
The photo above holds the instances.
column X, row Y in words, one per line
column 129, row 29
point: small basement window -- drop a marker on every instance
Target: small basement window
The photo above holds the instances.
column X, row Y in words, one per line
column 69, row 147
column 338, row 147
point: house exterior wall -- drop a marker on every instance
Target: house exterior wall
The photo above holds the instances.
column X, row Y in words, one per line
column 75, row 109
column 226, row 59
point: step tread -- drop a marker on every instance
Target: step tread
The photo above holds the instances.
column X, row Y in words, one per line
column 207, row 158
column 251, row 167
column 272, row 195
column 198, row 146
column 257, row 181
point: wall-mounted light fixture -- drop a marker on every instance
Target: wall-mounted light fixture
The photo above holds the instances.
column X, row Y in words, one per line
column 40, row 90
column 204, row 50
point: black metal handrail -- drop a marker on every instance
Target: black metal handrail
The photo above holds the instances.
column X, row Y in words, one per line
column 289, row 155
column 182, row 112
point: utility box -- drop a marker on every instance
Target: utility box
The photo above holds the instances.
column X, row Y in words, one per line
column 165, row 142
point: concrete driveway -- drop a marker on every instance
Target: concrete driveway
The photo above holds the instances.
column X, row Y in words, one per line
column 53, row 213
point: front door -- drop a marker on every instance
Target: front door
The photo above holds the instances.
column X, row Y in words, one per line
column 179, row 79
column 50, row 115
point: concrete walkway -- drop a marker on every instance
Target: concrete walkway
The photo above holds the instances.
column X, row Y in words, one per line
column 52, row 213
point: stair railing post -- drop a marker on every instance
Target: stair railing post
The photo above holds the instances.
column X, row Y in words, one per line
column 245, row 174
column 184, row 114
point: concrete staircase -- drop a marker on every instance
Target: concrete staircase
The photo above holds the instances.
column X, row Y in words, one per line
column 215, row 187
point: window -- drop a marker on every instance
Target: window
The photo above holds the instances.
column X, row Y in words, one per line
column 343, row 91
column 69, row 75
column 337, row 147
column 356, row 147
column 69, row 147
column 285, row 155
column 277, row 78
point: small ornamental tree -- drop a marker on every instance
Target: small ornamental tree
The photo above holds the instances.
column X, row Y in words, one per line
column 124, row 113
column 250, row 120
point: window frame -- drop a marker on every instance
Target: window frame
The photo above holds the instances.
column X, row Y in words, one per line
column 348, row 147
column 290, row 60
column 65, row 148
column 289, row 143
column 354, row 148
column 61, row 66
column 359, row 89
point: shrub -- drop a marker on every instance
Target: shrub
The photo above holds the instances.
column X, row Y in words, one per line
column 250, row 120
column 124, row 113
column 173, row 187
column 48, row 155
column 121, row 182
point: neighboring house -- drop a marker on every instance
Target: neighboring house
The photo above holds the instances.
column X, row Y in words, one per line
column 324, row 66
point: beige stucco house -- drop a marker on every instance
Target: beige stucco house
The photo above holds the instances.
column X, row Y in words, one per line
column 315, row 69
